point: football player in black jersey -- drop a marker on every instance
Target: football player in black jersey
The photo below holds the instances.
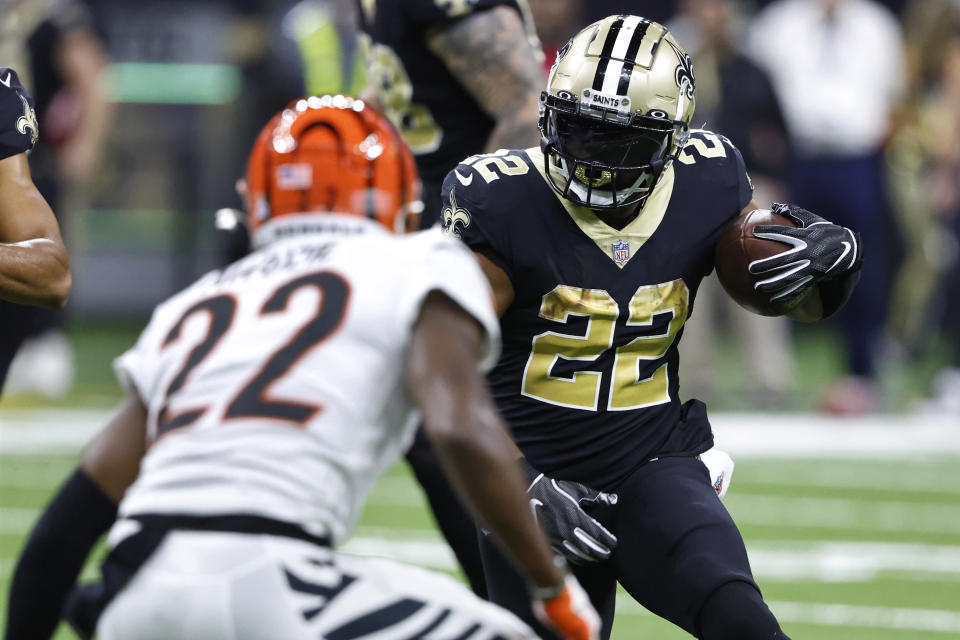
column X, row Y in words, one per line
column 33, row 261
column 595, row 243
column 455, row 77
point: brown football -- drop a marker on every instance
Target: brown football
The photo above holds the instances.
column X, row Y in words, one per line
column 737, row 248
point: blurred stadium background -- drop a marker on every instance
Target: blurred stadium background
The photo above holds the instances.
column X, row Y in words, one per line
column 845, row 434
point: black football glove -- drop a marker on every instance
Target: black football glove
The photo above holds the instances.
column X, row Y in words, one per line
column 558, row 506
column 819, row 251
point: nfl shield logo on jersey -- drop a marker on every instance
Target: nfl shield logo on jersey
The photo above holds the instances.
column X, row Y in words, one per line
column 621, row 252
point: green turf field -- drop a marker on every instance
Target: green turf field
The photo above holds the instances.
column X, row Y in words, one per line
column 848, row 548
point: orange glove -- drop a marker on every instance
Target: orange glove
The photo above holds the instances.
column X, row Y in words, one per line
column 570, row 612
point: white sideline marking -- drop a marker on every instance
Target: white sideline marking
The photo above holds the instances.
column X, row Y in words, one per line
column 745, row 435
column 841, row 561
column 436, row 555
column 839, row 615
column 884, row 437
column 847, row 615
column 15, row 521
column 825, row 561
column 843, row 513
column 838, row 558
column 425, row 553
column 831, row 561
column 49, row 430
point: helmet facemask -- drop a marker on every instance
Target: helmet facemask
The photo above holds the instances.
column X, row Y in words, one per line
column 605, row 157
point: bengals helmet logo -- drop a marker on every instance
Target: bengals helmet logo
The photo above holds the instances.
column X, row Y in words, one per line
column 28, row 121
column 453, row 216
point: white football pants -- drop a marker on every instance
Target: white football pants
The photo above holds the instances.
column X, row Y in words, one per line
column 227, row 586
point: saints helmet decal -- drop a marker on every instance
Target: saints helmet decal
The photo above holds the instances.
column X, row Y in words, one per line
column 684, row 74
column 616, row 111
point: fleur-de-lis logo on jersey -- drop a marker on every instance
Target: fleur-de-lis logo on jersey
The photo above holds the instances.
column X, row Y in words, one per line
column 28, row 121
column 454, row 215
column 684, row 73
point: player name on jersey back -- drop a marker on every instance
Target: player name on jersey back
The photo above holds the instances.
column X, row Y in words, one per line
column 275, row 386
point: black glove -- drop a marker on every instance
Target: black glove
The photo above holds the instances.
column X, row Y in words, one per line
column 558, row 505
column 819, row 251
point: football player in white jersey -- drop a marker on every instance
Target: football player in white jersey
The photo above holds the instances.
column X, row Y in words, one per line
column 264, row 401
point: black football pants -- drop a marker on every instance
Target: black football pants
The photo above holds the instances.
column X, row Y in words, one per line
column 677, row 547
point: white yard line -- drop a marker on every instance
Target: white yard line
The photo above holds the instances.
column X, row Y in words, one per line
column 819, row 561
column 847, row 615
column 435, row 555
column 829, row 561
column 46, row 431
column 843, row 561
column 771, row 510
column 17, row 522
column 840, row 615
column 888, row 437
column 781, row 561
column 842, row 513
column 745, row 435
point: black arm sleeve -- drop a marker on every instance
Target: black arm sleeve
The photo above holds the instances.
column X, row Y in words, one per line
column 54, row 555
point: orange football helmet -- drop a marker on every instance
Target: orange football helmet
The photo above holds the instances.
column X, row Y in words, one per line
column 331, row 154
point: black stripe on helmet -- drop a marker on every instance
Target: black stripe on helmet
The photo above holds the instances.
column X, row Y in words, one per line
column 607, row 51
column 630, row 59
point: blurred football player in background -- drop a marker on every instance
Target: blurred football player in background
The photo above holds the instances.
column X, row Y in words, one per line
column 61, row 59
column 595, row 243
column 264, row 401
column 455, row 78
column 924, row 175
column 34, row 268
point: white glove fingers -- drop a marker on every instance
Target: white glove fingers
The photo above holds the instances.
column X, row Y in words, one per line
column 571, row 550
column 612, row 539
column 765, row 264
column 787, row 292
column 592, row 543
column 788, row 270
column 535, row 481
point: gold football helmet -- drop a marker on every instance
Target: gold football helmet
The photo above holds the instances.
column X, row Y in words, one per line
column 616, row 111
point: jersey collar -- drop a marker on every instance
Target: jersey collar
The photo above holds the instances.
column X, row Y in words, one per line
column 619, row 245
